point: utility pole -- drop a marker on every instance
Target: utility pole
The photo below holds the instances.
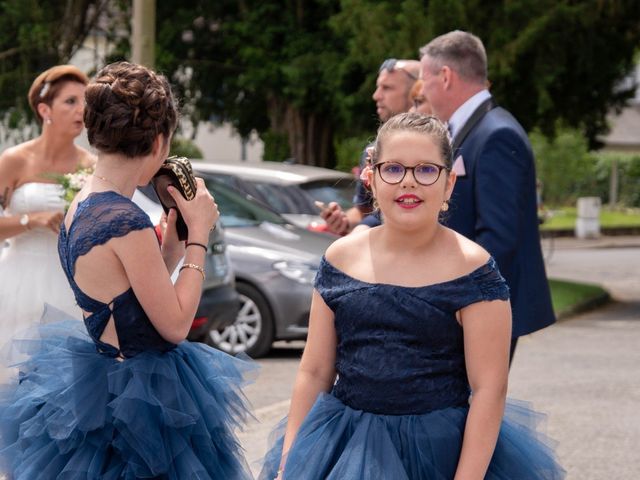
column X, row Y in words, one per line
column 143, row 37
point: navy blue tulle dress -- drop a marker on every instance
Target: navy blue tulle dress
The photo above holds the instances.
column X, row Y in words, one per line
column 399, row 406
column 82, row 409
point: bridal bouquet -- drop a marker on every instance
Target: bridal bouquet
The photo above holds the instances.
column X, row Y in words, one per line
column 73, row 182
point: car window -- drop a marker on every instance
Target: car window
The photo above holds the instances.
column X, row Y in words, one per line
column 285, row 198
column 236, row 210
column 336, row 190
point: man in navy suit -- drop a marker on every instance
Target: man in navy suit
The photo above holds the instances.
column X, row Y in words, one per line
column 494, row 199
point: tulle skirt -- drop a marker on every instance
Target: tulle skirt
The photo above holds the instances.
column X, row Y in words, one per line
column 72, row 413
column 338, row 442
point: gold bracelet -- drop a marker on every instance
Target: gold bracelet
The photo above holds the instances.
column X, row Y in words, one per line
column 195, row 267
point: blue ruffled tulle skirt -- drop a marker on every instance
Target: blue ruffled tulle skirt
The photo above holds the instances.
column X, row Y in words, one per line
column 72, row 413
column 337, row 442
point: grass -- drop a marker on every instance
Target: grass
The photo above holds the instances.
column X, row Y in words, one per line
column 570, row 297
column 565, row 218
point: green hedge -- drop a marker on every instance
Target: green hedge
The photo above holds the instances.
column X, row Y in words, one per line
column 567, row 170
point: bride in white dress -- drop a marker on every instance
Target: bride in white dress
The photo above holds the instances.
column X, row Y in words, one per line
column 31, row 204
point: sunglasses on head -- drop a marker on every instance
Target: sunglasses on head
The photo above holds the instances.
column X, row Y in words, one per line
column 391, row 64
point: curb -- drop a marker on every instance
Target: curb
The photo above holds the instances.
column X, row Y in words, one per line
column 606, row 231
column 585, row 306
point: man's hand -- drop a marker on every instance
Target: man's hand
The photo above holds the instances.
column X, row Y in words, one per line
column 336, row 218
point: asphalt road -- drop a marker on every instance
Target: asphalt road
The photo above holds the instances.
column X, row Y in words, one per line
column 584, row 372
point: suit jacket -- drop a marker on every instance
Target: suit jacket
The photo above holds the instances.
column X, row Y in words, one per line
column 494, row 204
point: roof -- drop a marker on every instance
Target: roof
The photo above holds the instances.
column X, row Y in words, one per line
column 273, row 172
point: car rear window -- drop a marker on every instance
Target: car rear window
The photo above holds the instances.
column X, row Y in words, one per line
column 236, row 210
column 334, row 190
column 300, row 198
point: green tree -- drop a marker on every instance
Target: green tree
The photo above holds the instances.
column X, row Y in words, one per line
column 564, row 166
column 306, row 70
column 33, row 37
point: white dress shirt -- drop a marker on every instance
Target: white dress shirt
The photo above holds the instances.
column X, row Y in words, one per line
column 464, row 112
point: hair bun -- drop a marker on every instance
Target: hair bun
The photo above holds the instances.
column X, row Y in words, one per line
column 128, row 105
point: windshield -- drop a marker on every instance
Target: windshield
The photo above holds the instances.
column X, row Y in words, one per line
column 236, row 210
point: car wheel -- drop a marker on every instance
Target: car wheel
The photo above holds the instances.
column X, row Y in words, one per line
column 252, row 332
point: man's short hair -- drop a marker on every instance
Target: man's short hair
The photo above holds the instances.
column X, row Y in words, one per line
column 460, row 51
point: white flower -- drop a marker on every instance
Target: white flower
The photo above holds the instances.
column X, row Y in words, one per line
column 72, row 183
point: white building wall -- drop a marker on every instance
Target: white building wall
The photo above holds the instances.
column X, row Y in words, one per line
column 221, row 143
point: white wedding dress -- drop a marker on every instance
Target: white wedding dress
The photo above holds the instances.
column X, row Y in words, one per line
column 30, row 270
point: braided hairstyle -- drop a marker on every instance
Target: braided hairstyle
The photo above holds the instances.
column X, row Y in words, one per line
column 127, row 106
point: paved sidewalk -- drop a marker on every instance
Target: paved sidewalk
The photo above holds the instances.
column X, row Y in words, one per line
column 583, row 373
column 621, row 241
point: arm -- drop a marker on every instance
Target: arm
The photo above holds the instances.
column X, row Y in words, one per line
column 316, row 373
column 171, row 247
column 10, row 171
column 500, row 184
column 9, row 226
column 170, row 308
column 487, row 333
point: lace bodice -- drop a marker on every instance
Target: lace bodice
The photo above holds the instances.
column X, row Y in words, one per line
column 99, row 218
column 400, row 349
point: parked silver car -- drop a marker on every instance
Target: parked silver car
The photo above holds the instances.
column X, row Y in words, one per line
column 274, row 262
column 289, row 189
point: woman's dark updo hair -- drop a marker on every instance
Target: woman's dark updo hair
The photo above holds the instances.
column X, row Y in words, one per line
column 418, row 123
column 127, row 106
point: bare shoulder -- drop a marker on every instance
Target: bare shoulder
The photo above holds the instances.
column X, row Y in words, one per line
column 13, row 161
column 344, row 250
column 469, row 255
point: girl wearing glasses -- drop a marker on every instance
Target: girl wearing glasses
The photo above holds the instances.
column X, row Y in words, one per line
column 404, row 374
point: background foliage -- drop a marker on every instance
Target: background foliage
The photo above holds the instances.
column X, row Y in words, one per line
column 34, row 36
column 307, row 69
column 568, row 170
column 301, row 72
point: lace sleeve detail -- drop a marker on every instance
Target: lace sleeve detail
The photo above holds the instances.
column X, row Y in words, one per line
column 329, row 283
column 490, row 283
column 101, row 217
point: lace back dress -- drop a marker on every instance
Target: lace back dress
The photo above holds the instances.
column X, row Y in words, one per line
column 84, row 409
column 399, row 406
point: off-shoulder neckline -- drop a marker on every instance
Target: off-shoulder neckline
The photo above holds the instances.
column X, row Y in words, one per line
column 489, row 264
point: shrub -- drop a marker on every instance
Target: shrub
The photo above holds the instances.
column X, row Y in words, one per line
column 184, row 147
column 348, row 152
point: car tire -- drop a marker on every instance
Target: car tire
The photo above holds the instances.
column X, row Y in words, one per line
column 252, row 332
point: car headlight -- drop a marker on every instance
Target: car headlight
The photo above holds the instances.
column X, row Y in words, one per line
column 297, row 271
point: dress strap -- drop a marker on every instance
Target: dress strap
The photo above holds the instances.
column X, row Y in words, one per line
column 98, row 218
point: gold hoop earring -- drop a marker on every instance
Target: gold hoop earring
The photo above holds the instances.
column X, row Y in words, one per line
column 445, row 206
